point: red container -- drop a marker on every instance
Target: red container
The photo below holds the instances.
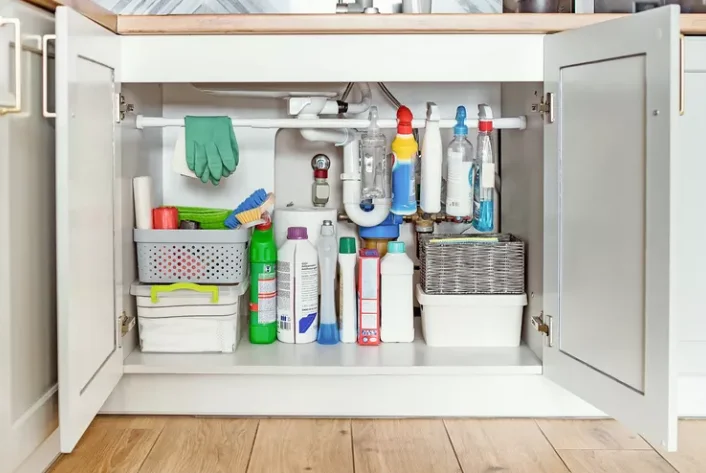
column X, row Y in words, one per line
column 165, row 218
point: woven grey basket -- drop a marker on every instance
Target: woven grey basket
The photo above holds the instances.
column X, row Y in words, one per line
column 464, row 266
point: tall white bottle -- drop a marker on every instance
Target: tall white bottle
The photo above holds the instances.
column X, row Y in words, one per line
column 347, row 299
column 432, row 158
column 397, row 293
column 297, row 289
column 459, row 159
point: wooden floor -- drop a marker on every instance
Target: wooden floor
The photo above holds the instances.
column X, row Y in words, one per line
column 219, row 445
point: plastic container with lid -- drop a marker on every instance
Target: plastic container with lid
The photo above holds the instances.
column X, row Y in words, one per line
column 397, row 295
column 347, row 306
column 190, row 318
column 471, row 320
column 297, row 289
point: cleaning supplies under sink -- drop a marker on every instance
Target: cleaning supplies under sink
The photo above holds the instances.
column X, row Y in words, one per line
column 211, row 148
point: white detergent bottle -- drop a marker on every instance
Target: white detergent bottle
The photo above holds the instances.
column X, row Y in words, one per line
column 347, row 300
column 459, row 158
column 432, row 158
column 397, row 292
column 297, row 289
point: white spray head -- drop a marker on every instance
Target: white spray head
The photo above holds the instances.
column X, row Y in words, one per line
column 433, row 113
column 373, row 128
column 485, row 112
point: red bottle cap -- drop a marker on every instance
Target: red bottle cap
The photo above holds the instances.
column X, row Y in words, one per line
column 485, row 125
column 320, row 174
column 404, row 121
column 264, row 226
column 165, row 218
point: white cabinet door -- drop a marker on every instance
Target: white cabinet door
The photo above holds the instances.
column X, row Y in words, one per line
column 608, row 153
column 28, row 364
column 90, row 355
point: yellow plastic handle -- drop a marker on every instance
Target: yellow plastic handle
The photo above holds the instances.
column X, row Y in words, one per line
column 188, row 286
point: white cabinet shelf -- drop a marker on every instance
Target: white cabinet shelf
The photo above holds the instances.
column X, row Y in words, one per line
column 343, row 359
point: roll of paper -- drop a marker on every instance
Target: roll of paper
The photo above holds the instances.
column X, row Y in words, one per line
column 309, row 217
column 142, row 193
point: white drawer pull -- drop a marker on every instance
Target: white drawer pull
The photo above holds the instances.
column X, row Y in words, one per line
column 45, row 72
column 18, row 66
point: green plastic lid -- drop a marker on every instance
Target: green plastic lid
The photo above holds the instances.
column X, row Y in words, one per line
column 395, row 247
column 346, row 246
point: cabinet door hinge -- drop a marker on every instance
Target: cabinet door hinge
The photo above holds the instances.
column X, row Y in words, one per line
column 543, row 324
column 126, row 323
column 545, row 107
column 122, row 108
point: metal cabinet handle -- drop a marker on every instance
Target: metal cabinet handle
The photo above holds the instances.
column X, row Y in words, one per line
column 682, row 67
column 18, row 66
column 45, row 73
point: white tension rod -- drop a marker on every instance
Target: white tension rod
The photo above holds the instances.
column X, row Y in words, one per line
column 512, row 123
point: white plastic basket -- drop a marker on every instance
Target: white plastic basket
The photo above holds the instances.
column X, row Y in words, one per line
column 488, row 320
column 200, row 256
column 190, row 318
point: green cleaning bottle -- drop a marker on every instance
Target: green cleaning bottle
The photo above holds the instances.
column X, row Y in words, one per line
column 263, row 285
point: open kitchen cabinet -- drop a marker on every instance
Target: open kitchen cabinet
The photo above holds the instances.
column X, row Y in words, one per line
column 591, row 185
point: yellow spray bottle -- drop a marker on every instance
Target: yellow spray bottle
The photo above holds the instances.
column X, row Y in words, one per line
column 404, row 152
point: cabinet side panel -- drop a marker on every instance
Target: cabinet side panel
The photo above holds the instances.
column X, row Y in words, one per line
column 140, row 155
column 522, row 194
column 689, row 258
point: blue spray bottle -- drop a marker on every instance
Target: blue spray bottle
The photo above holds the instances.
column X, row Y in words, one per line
column 484, row 171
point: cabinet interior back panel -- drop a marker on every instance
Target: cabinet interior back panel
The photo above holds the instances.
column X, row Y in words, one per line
column 602, row 228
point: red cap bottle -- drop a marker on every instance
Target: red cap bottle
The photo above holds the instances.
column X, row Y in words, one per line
column 404, row 121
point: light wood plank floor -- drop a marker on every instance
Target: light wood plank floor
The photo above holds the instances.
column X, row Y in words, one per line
column 122, row 444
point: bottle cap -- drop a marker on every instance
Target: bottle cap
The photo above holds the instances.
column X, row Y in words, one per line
column 404, row 121
column 395, row 247
column 485, row 125
column 264, row 226
column 297, row 233
column 460, row 128
column 346, row 246
column 327, row 228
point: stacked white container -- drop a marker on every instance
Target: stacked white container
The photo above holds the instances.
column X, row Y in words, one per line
column 189, row 318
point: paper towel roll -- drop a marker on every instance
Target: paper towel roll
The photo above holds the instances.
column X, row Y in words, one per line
column 142, row 193
column 309, row 217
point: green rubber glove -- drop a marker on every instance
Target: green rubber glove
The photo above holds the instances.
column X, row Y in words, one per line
column 211, row 148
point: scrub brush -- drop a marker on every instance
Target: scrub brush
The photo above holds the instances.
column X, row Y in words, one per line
column 251, row 209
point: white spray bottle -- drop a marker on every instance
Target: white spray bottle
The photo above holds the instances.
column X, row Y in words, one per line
column 432, row 158
column 459, row 158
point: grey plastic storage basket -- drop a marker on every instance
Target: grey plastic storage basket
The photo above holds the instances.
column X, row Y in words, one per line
column 201, row 256
column 460, row 264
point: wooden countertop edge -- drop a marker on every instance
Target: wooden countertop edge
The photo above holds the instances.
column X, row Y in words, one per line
column 527, row 23
column 87, row 8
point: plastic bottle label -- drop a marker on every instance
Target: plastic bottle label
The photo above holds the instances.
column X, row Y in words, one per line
column 284, row 296
column 309, row 296
column 267, row 296
column 459, row 188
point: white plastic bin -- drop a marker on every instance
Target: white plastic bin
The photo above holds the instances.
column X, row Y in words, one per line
column 471, row 320
column 190, row 318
